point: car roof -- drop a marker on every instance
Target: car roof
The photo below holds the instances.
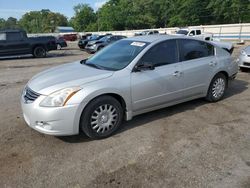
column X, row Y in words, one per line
column 153, row 38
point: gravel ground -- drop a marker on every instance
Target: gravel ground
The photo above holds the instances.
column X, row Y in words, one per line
column 195, row 144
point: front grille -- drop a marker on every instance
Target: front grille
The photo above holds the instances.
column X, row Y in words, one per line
column 247, row 64
column 30, row 95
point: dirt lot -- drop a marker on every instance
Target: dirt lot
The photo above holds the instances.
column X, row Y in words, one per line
column 195, row 144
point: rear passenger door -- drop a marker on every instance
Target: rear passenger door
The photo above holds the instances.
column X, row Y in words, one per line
column 198, row 64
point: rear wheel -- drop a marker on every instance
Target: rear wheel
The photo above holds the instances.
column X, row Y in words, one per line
column 217, row 88
column 102, row 117
column 39, row 52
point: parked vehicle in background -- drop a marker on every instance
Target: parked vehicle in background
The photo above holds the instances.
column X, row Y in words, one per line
column 61, row 43
column 83, row 42
column 16, row 42
column 128, row 78
column 70, row 37
column 86, row 36
column 195, row 32
column 244, row 59
column 148, row 32
column 97, row 45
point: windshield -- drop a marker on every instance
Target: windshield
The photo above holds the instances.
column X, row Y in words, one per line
column 116, row 56
column 183, row 32
column 94, row 37
column 99, row 37
column 103, row 39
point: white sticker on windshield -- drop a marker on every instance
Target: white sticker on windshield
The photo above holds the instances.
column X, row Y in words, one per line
column 140, row 44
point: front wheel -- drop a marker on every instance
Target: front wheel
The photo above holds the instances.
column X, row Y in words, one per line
column 102, row 117
column 217, row 88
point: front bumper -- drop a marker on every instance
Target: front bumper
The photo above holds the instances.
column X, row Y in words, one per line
column 58, row 121
column 244, row 61
column 91, row 49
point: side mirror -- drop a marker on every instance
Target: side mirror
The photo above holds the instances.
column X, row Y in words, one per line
column 144, row 67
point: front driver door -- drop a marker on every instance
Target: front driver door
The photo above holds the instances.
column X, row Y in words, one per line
column 17, row 44
column 150, row 88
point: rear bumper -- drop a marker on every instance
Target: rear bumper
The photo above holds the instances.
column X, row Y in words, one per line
column 90, row 49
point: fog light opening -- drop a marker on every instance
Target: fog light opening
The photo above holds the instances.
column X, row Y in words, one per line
column 44, row 125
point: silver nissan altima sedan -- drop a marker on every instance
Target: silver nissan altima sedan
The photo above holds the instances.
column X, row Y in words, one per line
column 130, row 77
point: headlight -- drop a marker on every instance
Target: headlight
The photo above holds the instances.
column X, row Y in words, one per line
column 59, row 98
column 94, row 45
column 243, row 53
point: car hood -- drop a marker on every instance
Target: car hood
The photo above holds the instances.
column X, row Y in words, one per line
column 67, row 75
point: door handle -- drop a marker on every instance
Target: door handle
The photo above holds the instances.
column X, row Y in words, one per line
column 177, row 73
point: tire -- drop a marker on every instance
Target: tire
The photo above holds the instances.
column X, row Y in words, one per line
column 217, row 88
column 102, row 117
column 99, row 48
column 59, row 47
column 39, row 52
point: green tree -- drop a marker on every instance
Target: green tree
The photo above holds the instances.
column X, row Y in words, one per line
column 11, row 23
column 2, row 23
column 84, row 17
column 230, row 11
column 43, row 21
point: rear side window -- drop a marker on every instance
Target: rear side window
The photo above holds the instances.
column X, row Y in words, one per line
column 194, row 49
column 14, row 36
column 2, row 36
column 198, row 32
column 161, row 54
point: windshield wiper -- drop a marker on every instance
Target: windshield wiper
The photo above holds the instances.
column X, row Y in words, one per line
column 94, row 65
column 97, row 66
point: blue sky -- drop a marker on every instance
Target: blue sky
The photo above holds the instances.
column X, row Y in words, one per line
column 16, row 8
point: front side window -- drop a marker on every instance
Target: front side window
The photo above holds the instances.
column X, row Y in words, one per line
column 192, row 33
column 13, row 36
column 161, row 54
column 2, row 36
column 194, row 49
